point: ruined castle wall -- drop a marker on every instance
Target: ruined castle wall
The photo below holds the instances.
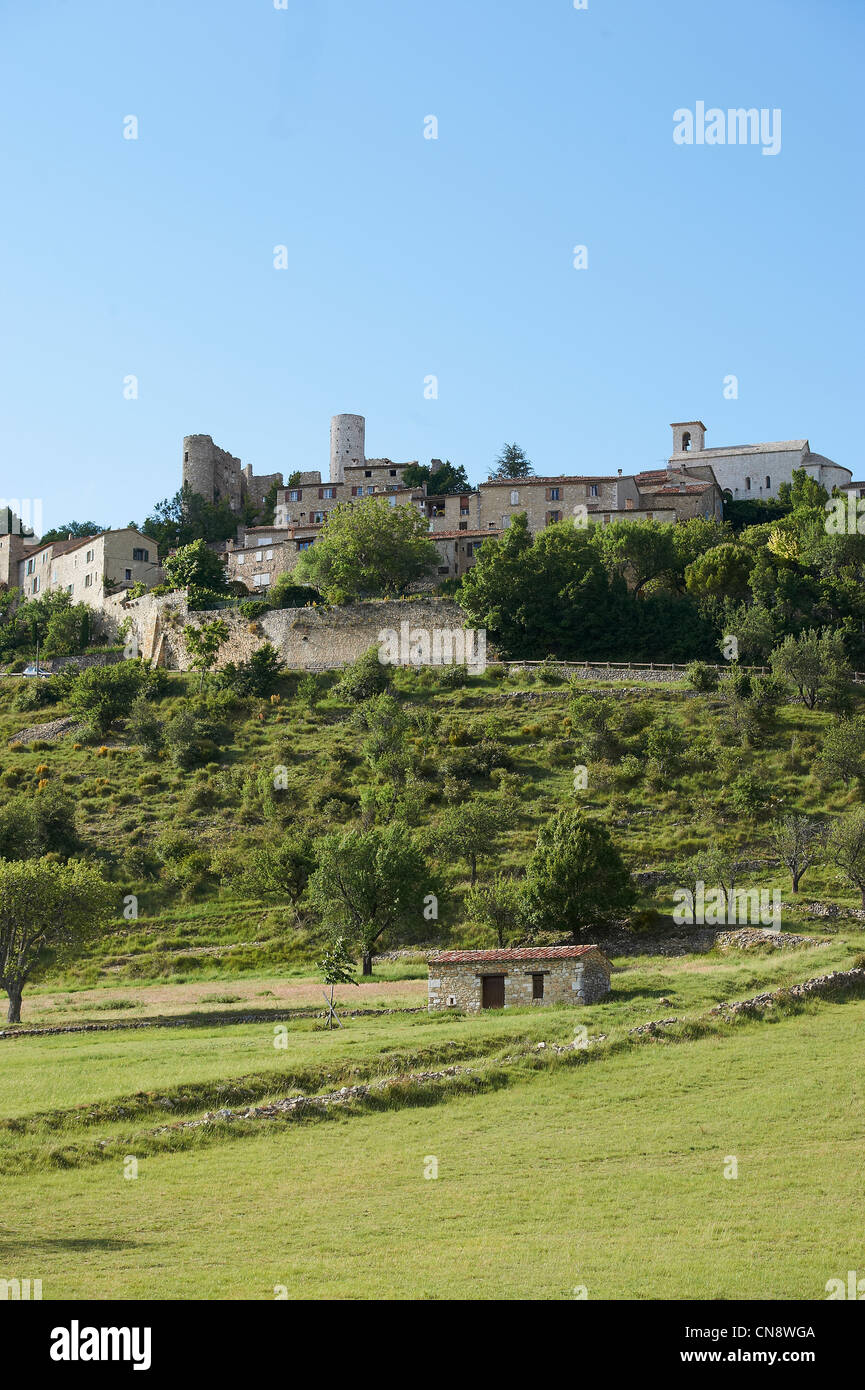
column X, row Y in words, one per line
column 320, row 638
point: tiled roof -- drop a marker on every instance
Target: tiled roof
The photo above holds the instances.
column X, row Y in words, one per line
column 676, row 488
column 478, row 531
column 781, row 446
column 518, row 953
column 559, row 478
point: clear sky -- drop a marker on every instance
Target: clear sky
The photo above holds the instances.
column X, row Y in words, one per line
column 410, row 257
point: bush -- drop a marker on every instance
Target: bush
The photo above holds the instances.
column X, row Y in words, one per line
column 102, row 694
column 35, row 825
column 700, row 676
column 364, row 678
column 253, row 608
column 37, row 693
column 256, row 677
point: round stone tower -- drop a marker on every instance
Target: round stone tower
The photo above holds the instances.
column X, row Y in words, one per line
column 347, row 444
column 199, row 464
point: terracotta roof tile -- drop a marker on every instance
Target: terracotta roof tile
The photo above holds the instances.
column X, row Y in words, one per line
column 517, row 953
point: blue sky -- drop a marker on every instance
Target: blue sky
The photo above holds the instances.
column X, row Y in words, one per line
column 409, row 257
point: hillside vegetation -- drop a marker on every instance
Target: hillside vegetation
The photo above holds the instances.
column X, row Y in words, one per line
column 207, row 811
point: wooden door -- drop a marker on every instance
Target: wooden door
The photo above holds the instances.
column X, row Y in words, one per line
column 492, row 992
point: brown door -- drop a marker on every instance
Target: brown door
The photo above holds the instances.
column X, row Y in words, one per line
column 492, row 991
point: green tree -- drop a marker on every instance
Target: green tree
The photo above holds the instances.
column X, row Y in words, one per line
column 186, row 517
column 799, row 841
column 73, row 531
column 842, row 756
column 815, row 662
column 637, row 551
column 368, row 548
column 370, row 886
column 847, row 848
column 278, row 871
column 68, row 628
column 196, row 566
column 46, row 905
column 103, row 694
column 472, row 829
column 803, row 492
column 204, row 643
column 512, row 462
column 721, row 572
column 499, row 907
column 576, row 879
column 38, row 823
column 338, row 968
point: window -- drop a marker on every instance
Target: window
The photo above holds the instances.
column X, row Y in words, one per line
column 29, row 569
column 393, row 487
column 768, row 481
column 391, row 501
column 35, row 587
column 367, row 472
column 553, row 516
column 141, row 555
column 296, row 495
column 258, row 556
column 444, row 569
column 240, row 559
column 537, row 986
column 464, row 526
column 370, row 490
column 261, row 580
column 70, row 588
column 88, row 580
column 269, row 555
column 392, row 472
column 747, row 484
column 515, row 498
column 593, row 490
column 329, row 492
column 88, row 557
column 266, row 540
column 686, row 441
column 304, row 545
column 186, row 457
column 318, row 518
column 554, row 494
column 128, row 574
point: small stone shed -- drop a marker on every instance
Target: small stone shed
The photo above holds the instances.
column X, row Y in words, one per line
column 473, row 980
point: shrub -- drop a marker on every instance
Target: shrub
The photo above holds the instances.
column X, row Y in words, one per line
column 256, row 677
column 363, row 678
column 700, row 676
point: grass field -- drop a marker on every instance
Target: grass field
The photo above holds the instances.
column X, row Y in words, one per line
column 603, row 1170
column 608, row 1176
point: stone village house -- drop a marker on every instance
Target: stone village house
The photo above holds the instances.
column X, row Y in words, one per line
column 526, row 975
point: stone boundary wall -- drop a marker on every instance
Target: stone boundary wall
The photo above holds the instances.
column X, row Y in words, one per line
column 317, row 639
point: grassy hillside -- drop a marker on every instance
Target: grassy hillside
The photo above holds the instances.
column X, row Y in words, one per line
column 168, row 835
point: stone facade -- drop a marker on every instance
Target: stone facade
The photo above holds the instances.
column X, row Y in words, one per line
column 519, row 978
column 214, row 474
column 752, row 471
column 89, row 569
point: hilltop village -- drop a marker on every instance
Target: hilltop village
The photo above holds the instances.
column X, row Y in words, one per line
column 96, row 570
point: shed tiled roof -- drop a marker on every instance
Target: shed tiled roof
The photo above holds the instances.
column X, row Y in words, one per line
column 517, row 953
